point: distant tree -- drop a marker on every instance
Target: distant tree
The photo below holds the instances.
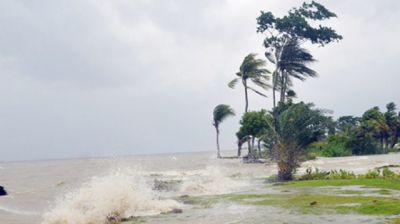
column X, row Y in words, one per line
column 252, row 69
column 221, row 112
column 346, row 124
column 373, row 123
column 294, row 27
column 253, row 126
column 393, row 122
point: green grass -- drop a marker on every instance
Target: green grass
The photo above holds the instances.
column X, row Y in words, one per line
column 319, row 204
column 309, row 203
column 393, row 184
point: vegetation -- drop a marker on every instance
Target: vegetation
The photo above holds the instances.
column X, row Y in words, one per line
column 303, row 202
column 251, row 69
column 253, row 126
column 309, row 194
column 221, row 112
column 393, row 184
column 296, row 126
column 292, row 131
column 283, row 37
column 374, row 132
column 378, row 173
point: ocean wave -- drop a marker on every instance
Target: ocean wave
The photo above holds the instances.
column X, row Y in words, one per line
column 209, row 181
column 121, row 193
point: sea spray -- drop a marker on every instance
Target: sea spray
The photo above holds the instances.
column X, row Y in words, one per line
column 121, row 193
column 210, row 181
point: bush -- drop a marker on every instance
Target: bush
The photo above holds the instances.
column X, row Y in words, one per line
column 342, row 175
column 314, row 175
column 387, row 173
column 334, row 146
column 371, row 174
column 362, row 144
column 378, row 173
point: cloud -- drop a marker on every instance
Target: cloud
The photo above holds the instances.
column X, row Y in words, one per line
column 92, row 78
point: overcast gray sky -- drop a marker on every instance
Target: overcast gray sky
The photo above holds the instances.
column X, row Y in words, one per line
column 106, row 78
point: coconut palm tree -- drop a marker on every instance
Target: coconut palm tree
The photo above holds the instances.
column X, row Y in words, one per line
column 221, row 112
column 252, row 69
column 293, row 63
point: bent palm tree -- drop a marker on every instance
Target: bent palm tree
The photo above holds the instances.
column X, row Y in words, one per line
column 221, row 112
column 293, row 63
column 252, row 69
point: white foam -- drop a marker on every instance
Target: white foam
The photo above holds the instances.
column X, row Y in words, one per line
column 122, row 193
column 212, row 180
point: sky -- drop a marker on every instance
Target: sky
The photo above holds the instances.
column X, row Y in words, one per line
column 107, row 78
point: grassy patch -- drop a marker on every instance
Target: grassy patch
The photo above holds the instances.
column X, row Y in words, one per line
column 393, row 184
column 308, row 203
column 318, row 204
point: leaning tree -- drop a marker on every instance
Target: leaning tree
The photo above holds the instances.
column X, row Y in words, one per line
column 220, row 113
column 300, row 25
column 251, row 70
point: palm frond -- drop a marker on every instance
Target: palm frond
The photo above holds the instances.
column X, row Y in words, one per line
column 294, row 61
column 221, row 112
column 256, row 91
column 233, row 83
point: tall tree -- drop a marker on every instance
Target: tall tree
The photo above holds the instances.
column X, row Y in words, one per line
column 293, row 63
column 296, row 25
column 220, row 113
column 252, row 69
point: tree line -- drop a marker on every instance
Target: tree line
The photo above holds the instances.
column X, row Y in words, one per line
column 290, row 130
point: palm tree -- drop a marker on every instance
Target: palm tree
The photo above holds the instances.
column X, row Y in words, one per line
column 221, row 112
column 293, row 63
column 252, row 69
column 297, row 125
column 290, row 60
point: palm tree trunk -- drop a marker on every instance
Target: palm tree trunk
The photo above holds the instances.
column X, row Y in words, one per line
column 274, row 88
column 283, row 87
column 281, row 82
column 285, row 81
column 248, row 147
column 394, row 138
column 218, row 149
column 239, row 149
column 246, row 96
column 252, row 145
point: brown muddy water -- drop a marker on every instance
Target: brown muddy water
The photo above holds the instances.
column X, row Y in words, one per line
column 83, row 191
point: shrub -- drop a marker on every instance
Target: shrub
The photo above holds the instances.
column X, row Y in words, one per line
column 341, row 174
column 378, row 173
column 387, row 173
column 314, row 175
column 334, row 146
column 371, row 174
